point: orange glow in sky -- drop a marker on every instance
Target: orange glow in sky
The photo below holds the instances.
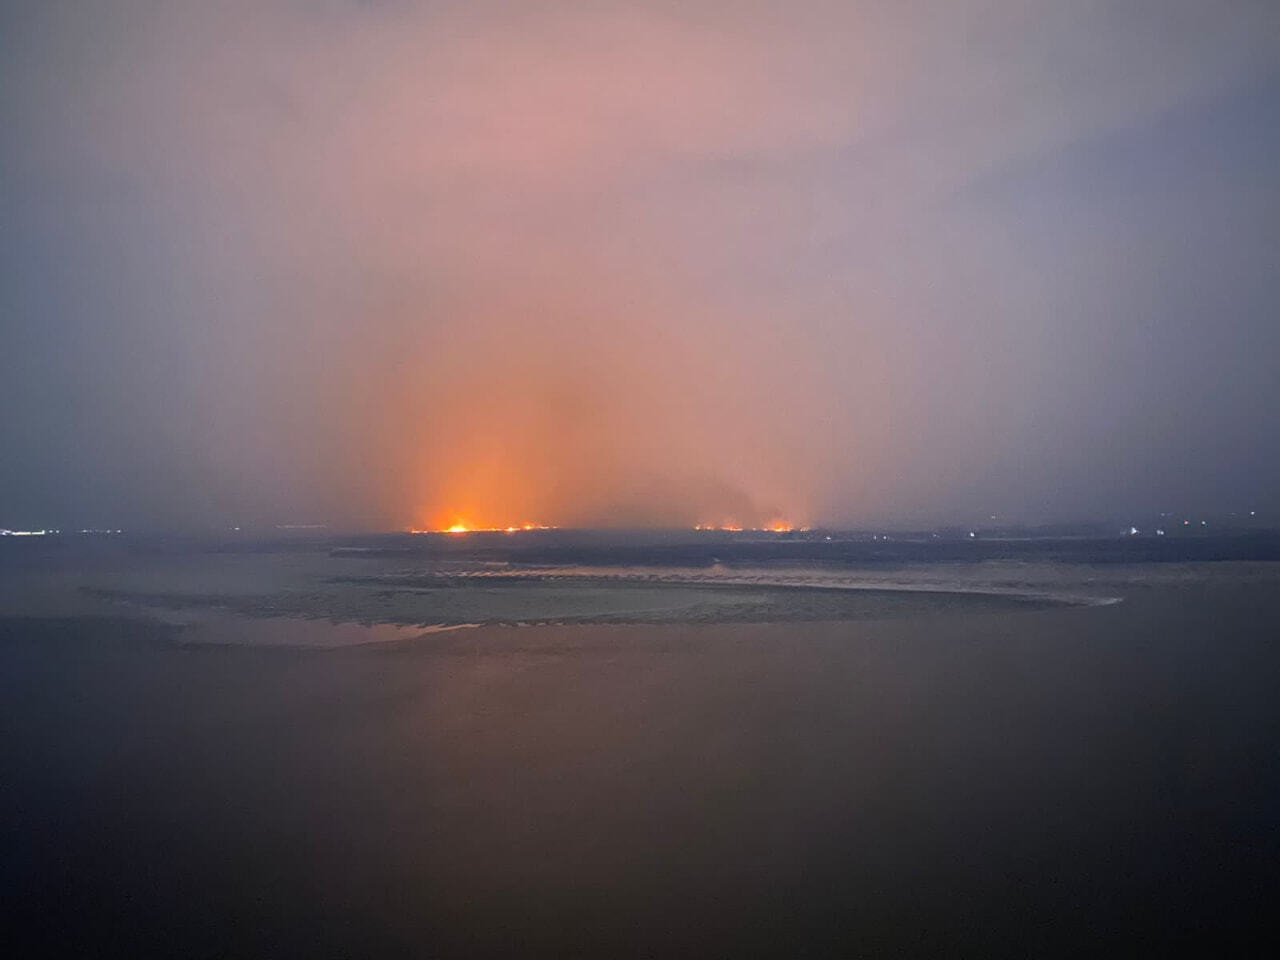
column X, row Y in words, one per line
column 632, row 265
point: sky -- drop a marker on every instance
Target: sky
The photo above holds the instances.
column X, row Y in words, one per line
column 391, row 264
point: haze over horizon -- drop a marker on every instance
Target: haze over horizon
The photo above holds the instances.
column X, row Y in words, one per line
column 394, row 264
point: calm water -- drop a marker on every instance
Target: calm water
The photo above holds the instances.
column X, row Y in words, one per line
column 1048, row 781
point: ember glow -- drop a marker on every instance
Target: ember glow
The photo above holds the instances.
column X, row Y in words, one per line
column 457, row 528
column 773, row 526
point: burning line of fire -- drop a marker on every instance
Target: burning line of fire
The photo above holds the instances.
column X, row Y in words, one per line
column 459, row 528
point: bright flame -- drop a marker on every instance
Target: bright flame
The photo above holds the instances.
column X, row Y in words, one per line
column 774, row 526
column 461, row 527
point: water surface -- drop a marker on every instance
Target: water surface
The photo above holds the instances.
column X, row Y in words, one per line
column 1037, row 781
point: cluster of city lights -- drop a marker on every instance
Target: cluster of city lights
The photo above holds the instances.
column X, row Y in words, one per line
column 49, row 531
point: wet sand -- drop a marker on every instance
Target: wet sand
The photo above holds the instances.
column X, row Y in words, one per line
column 1044, row 781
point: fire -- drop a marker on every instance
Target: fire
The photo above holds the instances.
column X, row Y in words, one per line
column 774, row 526
column 461, row 527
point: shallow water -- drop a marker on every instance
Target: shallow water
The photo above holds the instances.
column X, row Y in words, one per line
column 203, row 625
column 252, row 597
column 1047, row 781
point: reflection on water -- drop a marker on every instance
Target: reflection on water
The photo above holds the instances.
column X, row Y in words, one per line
column 224, row 627
column 1067, row 781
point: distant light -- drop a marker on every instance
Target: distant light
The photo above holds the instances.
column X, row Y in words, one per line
column 972, row 534
column 1159, row 532
column 464, row 528
column 1204, row 523
column 1253, row 513
column 1133, row 531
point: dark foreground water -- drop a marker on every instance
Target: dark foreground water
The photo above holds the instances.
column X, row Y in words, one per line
column 1055, row 781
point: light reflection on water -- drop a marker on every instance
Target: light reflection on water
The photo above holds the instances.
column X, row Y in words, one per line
column 224, row 627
